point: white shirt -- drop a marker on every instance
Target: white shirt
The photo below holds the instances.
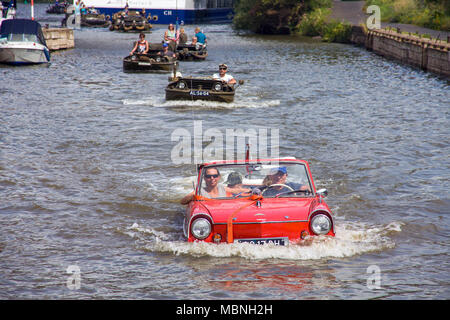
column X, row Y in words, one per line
column 227, row 77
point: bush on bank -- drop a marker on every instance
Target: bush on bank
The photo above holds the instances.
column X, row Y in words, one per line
column 433, row 14
column 268, row 16
column 303, row 17
column 315, row 23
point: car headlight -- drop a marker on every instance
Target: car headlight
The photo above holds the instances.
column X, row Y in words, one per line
column 218, row 86
column 201, row 228
column 181, row 85
column 320, row 224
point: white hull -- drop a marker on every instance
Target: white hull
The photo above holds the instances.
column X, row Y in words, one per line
column 15, row 52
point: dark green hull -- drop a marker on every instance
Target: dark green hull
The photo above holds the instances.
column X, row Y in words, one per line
column 149, row 65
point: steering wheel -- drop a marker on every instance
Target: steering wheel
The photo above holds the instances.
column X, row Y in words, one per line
column 276, row 185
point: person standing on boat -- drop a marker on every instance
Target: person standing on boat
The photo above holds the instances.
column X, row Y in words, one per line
column 223, row 76
column 125, row 10
column 77, row 8
column 170, row 37
column 141, row 46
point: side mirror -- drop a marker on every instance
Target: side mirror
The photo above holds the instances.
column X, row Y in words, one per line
column 322, row 192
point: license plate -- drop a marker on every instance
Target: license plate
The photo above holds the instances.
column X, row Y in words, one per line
column 276, row 241
column 144, row 63
column 199, row 93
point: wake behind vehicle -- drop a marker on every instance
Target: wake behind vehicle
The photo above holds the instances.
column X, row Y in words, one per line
column 261, row 201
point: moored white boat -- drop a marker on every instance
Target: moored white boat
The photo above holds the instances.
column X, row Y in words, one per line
column 22, row 42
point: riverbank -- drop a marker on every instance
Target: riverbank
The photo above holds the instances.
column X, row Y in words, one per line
column 417, row 46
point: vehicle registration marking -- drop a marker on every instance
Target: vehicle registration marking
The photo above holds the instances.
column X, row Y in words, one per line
column 199, row 93
column 276, row 241
column 144, row 63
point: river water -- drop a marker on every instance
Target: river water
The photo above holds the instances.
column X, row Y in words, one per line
column 87, row 180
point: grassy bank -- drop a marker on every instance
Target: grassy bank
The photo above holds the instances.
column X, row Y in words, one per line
column 315, row 23
column 433, row 14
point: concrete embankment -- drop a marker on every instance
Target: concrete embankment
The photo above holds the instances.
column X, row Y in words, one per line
column 428, row 54
column 59, row 38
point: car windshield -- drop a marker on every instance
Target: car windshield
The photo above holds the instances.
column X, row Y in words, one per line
column 239, row 180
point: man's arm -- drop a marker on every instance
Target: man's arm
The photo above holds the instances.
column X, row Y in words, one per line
column 187, row 198
column 232, row 80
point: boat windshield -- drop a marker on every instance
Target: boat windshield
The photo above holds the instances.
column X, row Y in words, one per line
column 21, row 37
column 239, row 180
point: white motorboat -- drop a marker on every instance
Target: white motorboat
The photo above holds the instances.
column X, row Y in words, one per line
column 22, row 42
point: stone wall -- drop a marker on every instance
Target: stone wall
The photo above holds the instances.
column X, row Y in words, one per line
column 59, row 38
column 430, row 55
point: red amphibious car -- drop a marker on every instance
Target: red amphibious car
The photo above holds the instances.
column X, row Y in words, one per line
column 258, row 201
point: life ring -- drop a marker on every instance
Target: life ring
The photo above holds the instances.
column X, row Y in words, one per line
column 149, row 17
column 140, row 27
column 155, row 18
column 127, row 28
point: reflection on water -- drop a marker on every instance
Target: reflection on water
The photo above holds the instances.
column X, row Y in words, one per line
column 86, row 177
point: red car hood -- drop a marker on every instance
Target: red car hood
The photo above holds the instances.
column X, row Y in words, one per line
column 271, row 209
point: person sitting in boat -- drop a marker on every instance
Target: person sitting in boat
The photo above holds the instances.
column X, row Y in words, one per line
column 212, row 189
column 166, row 52
column 182, row 37
column 201, row 38
column 223, row 76
column 278, row 176
column 141, row 46
column 170, row 37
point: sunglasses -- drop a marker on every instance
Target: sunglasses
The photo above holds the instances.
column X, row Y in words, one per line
column 209, row 176
column 222, row 68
